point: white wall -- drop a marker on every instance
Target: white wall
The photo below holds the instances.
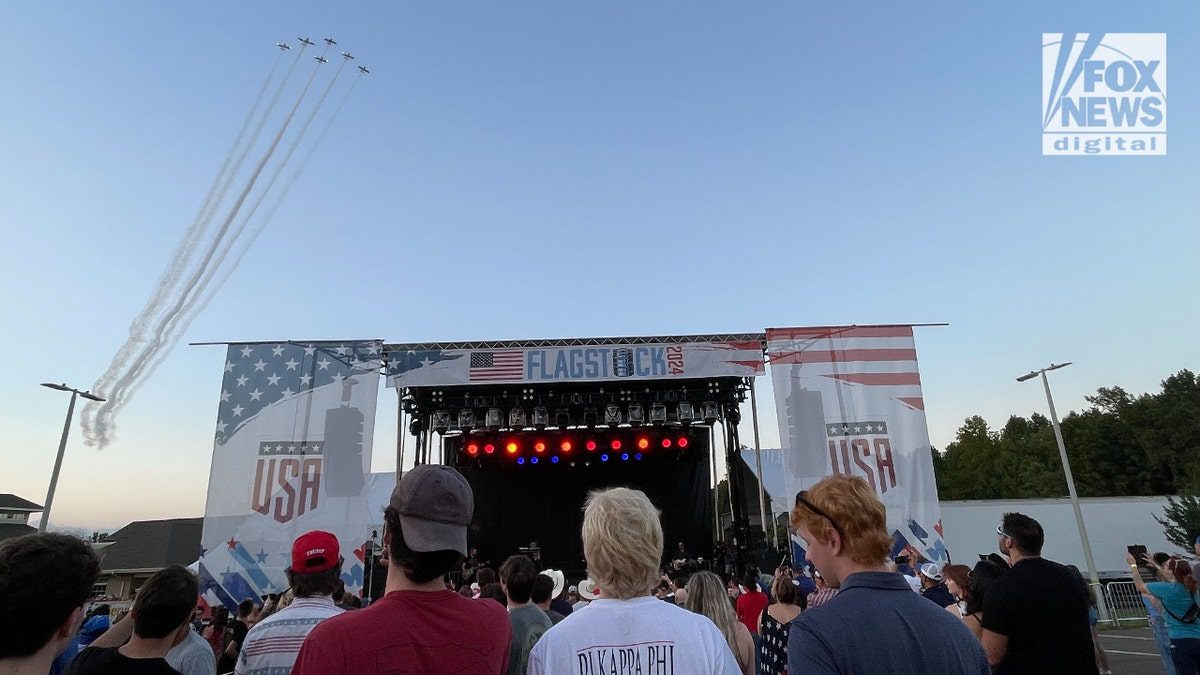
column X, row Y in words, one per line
column 1112, row 524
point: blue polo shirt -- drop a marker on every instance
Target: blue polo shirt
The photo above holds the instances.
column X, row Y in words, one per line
column 876, row 625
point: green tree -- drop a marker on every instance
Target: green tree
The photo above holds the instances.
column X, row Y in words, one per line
column 1181, row 521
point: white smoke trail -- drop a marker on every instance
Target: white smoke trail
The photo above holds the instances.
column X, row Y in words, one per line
column 99, row 432
column 201, row 298
column 179, row 261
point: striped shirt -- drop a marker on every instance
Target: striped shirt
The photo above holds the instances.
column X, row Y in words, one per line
column 818, row 598
column 273, row 643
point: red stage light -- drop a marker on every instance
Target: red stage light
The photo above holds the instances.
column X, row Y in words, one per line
column 472, row 449
column 666, row 442
column 590, row 445
column 565, row 447
column 489, row 448
column 511, row 448
column 643, row 443
column 615, row 444
column 683, row 441
column 539, row 447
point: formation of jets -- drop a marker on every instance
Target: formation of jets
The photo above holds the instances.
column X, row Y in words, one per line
column 321, row 59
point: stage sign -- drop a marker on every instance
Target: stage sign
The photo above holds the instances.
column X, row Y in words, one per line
column 849, row 401
column 292, row 454
column 657, row 361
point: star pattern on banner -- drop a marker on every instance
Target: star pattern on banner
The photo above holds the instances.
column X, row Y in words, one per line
column 260, row 375
column 856, row 429
column 402, row 361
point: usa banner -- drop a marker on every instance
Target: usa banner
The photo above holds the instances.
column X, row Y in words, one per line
column 849, row 402
column 292, row 454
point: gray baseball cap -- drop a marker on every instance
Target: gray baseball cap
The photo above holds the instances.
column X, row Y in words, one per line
column 436, row 505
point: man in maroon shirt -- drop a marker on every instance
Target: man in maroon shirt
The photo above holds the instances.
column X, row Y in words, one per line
column 418, row 626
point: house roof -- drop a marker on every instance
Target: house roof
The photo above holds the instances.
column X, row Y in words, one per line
column 10, row 530
column 10, row 502
column 152, row 544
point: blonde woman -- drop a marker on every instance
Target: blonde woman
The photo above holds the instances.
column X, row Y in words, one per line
column 707, row 596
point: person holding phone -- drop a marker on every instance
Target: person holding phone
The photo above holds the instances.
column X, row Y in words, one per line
column 1179, row 599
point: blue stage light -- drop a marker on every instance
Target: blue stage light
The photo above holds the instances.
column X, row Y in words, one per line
column 520, row 460
column 554, row 460
column 533, row 460
column 624, row 456
column 638, row 456
column 604, row 458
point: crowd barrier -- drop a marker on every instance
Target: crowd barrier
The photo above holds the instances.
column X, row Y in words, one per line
column 1125, row 607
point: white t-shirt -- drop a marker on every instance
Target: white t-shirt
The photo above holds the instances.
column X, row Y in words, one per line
column 643, row 635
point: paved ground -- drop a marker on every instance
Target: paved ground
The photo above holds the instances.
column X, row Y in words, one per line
column 1131, row 651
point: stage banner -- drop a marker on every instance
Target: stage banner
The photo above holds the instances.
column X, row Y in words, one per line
column 433, row 367
column 849, row 401
column 292, row 454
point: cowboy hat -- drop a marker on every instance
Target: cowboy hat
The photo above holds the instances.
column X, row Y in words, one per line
column 588, row 590
column 560, row 581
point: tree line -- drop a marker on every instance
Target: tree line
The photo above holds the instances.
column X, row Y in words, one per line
column 1120, row 445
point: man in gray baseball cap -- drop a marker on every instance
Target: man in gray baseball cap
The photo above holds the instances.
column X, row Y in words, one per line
column 418, row 626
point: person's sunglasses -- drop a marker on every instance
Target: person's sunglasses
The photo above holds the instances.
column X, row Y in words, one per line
column 1000, row 531
column 802, row 500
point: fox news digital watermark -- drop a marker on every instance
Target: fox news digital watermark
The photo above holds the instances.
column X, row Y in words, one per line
column 1104, row 93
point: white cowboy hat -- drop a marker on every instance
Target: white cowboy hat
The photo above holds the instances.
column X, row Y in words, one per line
column 588, row 590
column 560, row 581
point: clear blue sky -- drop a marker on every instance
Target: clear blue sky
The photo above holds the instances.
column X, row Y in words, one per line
column 572, row 169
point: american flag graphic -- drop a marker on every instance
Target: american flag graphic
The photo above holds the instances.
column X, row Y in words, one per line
column 497, row 366
column 883, row 357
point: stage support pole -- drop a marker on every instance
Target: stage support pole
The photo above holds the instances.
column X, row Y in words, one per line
column 762, row 490
column 399, row 433
column 737, row 491
column 712, row 456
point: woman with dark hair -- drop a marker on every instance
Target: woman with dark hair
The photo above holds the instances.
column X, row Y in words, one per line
column 1179, row 599
column 986, row 572
column 215, row 632
column 958, row 582
column 775, row 622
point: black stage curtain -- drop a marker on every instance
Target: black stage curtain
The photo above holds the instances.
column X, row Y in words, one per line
column 543, row 503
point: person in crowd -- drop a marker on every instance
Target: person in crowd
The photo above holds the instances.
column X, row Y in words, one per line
column 572, row 595
column 775, row 622
column 824, row 592
column 517, row 578
column 1180, row 601
column 160, row 620
column 1156, row 616
column 45, row 579
column 877, row 624
column 494, row 591
column 314, row 576
column 96, row 624
column 588, row 591
column 543, row 586
column 214, row 632
column 933, row 586
column 1035, row 616
column 750, row 604
column 558, row 601
column 707, row 596
column 806, row 586
column 466, row 592
column 989, row 568
column 679, row 585
column 485, row 576
column 236, row 635
column 1196, row 563
column 192, row 656
column 958, row 583
column 622, row 543
column 1100, row 655
column 417, row 626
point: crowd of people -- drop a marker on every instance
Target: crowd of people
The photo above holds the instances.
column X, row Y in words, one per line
column 851, row 609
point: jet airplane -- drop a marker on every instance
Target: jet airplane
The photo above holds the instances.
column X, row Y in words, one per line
column 320, row 59
column 330, row 41
column 348, row 56
column 305, row 41
column 282, row 45
column 363, row 70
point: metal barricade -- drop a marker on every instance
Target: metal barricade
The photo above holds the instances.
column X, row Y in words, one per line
column 1125, row 605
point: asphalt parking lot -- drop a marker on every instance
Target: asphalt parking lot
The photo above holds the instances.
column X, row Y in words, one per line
column 1131, row 651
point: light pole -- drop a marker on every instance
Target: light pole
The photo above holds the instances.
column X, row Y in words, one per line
column 1062, row 453
column 62, row 446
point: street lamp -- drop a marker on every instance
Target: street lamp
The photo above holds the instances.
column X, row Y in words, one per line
column 62, row 446
column 1062, row 453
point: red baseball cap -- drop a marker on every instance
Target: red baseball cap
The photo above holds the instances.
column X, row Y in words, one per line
column 315, row 551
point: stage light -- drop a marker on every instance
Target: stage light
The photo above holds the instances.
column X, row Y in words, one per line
column 682, row 442
column 638, row 456
column 684, row 413
column 590, row 445
column 533, row 460
column 624, row 456
column 710, row 411
column 562, row 418
column 441, row 421
column 472, row 449
column 643, row 443
column 493, row 419
column 541, row 417
column 604, row 457
column 565, row 446
column 615, row 444
column 516, row 419
column 466, row 419
column 489, row 449
column 554, row 460
column 520, row 460
column 591, row 417
column 539, row 447
column 512, row 447
column 658, row 414
column 612, row 415
column 637, row 416
column 666, row 442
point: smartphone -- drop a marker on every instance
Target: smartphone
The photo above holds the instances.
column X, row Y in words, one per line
column 902, row 560
column 1139, row 553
